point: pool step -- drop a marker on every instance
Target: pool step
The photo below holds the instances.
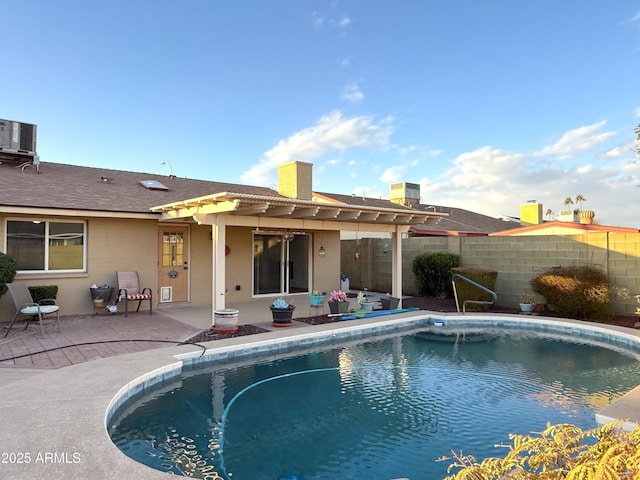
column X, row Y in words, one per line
column 626, row 408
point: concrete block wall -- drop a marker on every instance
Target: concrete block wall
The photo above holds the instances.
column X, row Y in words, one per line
column 516, row 259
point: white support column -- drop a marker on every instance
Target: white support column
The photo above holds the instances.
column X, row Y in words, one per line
column 396, row 265
column 218, row 280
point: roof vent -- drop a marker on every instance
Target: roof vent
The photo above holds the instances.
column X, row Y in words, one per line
column 153, row 185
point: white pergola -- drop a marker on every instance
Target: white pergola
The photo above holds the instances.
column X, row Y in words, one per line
column 229, row 209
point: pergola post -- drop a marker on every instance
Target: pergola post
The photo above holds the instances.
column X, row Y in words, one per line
column 396, row 264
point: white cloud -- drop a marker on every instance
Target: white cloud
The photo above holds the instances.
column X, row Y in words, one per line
column 342, row 22
column 319, row 21
column 393, row 174
column 618, row 151
column 484, row 167
column 352, row 94
column 577, row 141
column 495, row 182
column 332, row 133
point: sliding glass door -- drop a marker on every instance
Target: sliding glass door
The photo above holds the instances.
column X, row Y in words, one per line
column 280, row 263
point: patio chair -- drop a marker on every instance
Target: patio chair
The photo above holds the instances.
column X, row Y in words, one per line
column 129, row 290
column 25, row 306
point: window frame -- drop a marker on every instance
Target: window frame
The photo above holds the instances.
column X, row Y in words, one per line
column 48, row 221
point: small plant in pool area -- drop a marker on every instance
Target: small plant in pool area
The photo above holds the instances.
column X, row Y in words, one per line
column 362, row 297
column 338, row 296
column 527, row 299
column 281, row 303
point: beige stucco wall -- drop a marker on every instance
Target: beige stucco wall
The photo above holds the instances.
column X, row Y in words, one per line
column 111, row 245
column 124, row 244
column 200, row 265
column 516, row 259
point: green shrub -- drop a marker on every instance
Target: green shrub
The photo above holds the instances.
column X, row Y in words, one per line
column 466, row 291
column 7, row 271
column 42, row 292
column 433, row 273
column 583, row 293
column 560, row 452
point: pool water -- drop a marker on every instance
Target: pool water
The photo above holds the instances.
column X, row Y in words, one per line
column 378, row 410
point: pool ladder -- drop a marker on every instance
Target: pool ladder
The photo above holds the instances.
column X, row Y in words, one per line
column 481, row 287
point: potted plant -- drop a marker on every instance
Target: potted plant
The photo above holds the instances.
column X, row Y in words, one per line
column 281, row 312
column 526, row 303
column 365, row 304
column 338, row 302
column 317, row 298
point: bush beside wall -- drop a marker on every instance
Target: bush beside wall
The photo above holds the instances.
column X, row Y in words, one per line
column 466, row 291
column 42, row 292
column 433, row 273
column 580, row 292
column 7, row 271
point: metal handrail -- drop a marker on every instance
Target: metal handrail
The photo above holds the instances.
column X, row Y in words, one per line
column 475, row 284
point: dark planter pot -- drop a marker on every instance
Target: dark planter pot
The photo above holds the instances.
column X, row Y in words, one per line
column 389, row 303
column 338, row 307
column 282, row 316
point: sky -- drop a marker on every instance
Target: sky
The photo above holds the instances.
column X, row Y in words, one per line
column 486, row 104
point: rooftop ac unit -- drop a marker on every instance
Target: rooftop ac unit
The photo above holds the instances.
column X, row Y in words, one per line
column 17, row 138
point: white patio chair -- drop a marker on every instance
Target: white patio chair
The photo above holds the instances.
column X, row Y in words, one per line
column 25, row 306
column 129, row 290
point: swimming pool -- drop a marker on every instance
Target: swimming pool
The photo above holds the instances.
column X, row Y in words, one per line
column 384, row 408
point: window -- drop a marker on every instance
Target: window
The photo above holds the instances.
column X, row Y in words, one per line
column 46, row 245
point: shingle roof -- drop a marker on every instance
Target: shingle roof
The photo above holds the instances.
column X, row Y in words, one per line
column 459, row 220
column 73, row 187
column 85, row 188
column 464, row 221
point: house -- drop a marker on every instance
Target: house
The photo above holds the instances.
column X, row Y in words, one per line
column 570, row 222
column 195, row 241
column 457, row 222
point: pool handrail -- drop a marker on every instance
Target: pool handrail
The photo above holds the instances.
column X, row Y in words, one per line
column 475, row 284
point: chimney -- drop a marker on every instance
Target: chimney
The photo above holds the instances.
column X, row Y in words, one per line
column 531, row 213
column 295, row 180
column 407, row 194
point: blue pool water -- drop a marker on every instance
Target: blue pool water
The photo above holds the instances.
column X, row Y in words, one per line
column 378, row 410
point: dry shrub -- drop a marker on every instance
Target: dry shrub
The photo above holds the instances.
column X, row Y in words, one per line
column 580, row 292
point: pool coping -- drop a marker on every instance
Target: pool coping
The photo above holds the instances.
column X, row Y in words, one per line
column 49, row 416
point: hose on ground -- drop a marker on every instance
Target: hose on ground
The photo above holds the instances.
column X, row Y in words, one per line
column 174, row 342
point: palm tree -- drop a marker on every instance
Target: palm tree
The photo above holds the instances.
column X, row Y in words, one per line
column 580, row 199
column 567, row 202
column 549, row 214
